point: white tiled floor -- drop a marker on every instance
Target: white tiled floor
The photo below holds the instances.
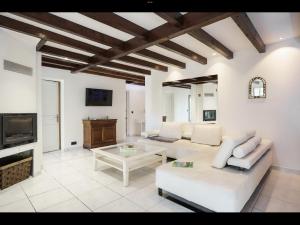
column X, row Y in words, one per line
column 68, row 183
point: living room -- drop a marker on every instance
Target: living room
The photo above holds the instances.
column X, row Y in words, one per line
column 195, row 91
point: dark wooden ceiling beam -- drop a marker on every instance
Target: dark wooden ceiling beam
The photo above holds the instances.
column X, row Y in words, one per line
column 34, row 31
column 71, row 64
column 171, row 17
column 114, row 73
column 161, row 58
column 190, row 21
column 247, row 27
column 173, row 47
column 127, row 68
column 118, row 22
column 63, row 67
column 211, row 42
column 76, row 56
column 199, row 34
column 41, row 43
column 195, row 80
column 71, row 27
column 141, row 62
column 64, row 53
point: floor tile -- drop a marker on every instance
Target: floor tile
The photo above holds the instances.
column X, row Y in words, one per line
column 268, row 204
column 50, row 198
column 82, row 186
column 72, row 205
column 38, row 185
column 70, row 178
column 18, row 206
column 168, row 206
column 120, row 205
column 11, row 194
column 100, row 177
column 145, row 197
column 98, row 197
column 119, row 188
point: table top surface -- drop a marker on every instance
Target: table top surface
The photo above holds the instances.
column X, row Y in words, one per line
column 121, row 151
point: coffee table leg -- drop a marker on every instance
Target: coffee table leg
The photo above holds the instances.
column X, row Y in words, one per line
column 125, row 174
column 95, row 161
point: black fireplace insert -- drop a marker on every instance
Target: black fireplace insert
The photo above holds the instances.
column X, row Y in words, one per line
column 17, row 129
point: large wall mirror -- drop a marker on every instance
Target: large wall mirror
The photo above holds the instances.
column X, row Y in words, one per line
column 257, row 88
column 191, row 100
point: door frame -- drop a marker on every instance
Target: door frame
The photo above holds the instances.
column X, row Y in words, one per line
column 62, row 110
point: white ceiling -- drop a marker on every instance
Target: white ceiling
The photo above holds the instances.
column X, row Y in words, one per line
column 272, row 27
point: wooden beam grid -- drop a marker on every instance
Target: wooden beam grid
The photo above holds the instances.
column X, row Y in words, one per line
column 176, row 25
column 161, row 34
column 69, row 65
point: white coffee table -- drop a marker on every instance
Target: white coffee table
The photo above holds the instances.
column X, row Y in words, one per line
column 144, row 155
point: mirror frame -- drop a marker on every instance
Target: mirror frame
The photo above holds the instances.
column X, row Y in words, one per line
column 250, row 96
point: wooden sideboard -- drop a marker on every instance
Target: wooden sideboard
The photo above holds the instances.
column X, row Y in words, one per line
column 98, row 133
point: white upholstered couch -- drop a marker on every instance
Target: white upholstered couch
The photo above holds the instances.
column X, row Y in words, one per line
column 221, row 190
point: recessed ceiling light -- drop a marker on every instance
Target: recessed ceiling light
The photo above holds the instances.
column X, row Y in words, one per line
column 281, row 38
column 214, row 54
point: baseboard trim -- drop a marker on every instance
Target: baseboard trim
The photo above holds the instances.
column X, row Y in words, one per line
column 286, row 169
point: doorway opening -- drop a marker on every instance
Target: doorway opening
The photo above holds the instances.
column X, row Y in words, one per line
column 51, row 115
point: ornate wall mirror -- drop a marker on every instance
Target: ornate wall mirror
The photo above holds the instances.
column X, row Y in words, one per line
column 257, row 88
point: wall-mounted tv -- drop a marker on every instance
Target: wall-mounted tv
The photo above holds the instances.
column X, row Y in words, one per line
column 98, row 97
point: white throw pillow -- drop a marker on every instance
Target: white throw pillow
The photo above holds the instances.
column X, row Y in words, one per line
column 207, row 134
column 226, row 149
column 247, row 147
column 171, row 130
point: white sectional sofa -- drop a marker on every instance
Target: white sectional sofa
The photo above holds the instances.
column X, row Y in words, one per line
column 221, row 190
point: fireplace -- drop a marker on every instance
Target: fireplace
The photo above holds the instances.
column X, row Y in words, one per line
column 17, row 129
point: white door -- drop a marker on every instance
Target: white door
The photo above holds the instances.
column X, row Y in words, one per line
column 51, row 115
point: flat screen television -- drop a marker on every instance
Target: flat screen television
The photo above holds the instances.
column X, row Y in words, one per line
column 98, row 97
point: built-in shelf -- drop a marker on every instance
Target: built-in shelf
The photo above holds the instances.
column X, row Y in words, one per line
column 14, row 150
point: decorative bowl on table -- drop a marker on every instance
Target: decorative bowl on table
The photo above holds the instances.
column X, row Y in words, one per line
column 127, row 148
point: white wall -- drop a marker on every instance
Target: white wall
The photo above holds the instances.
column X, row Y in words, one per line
column 276, row 117
column 153, row 100
column 136, row 109
column 18, row 92
column 74, row 102
column 210, row 103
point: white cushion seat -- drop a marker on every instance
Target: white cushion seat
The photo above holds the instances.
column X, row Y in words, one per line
column 220, row 190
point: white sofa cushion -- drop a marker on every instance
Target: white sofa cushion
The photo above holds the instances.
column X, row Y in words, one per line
column 247, row 147
column 207, row 134
column 226, row 149
column 171, row 130
column 248, row 161
column 150, row 133
column 187, row 130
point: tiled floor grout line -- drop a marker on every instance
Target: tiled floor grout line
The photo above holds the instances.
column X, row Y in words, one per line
column 66, row 189
column 28, row 198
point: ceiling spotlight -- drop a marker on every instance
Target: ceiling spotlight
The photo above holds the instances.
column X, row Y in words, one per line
column 281, row 38
column 214, row 54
